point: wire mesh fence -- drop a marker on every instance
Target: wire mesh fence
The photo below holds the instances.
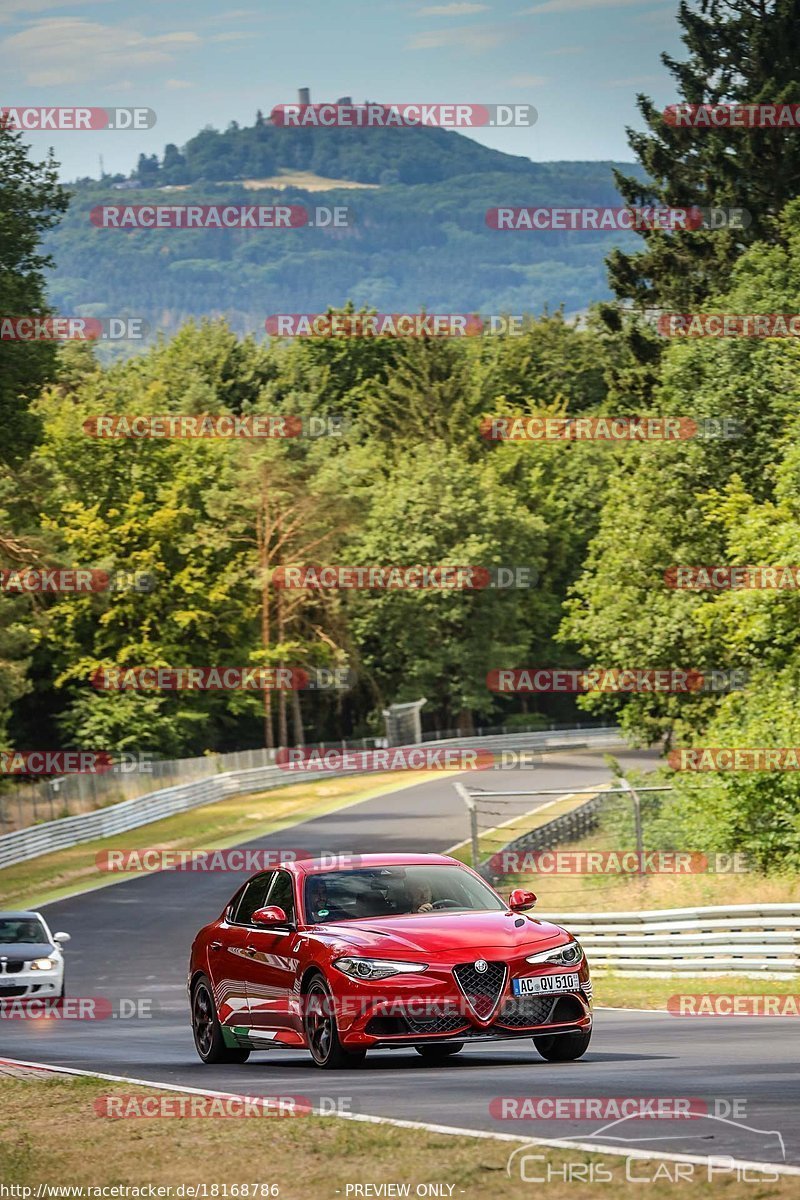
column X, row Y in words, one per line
column 575, row 843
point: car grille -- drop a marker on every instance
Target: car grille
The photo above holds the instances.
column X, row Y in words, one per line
column 481, row 988
column 12, row 968
column 442, row 1024
column 12, row 991
column 525, row 1010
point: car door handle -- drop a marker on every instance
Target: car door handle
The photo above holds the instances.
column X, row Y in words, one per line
column 251, row 950
column 216, row 945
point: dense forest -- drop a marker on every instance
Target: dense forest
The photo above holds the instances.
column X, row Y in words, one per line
column 405, row 477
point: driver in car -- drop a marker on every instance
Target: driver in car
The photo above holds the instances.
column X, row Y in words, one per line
column 420, row 897
column 318, row 905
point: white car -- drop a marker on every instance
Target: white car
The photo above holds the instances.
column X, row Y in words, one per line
column 31, row 962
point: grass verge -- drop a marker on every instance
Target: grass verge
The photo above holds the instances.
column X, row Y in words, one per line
column 213, row 826
column 491, row 841
column 625, row 991
column 50, row 1134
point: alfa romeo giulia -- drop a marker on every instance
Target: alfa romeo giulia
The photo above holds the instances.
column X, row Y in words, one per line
column 404, row 950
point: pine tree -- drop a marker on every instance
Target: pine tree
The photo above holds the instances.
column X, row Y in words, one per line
column 31, row 202
column 740, row 51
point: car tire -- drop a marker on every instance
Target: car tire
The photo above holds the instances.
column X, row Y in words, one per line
column 563, row 1047
column 435, row 1054
column 321, row 1030
column 208, row 1039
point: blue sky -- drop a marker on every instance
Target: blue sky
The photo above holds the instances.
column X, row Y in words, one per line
column 579, row 62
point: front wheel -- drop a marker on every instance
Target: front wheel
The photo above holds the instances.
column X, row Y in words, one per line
column 563, row 1047
column 322, row 1033
column 208, row 1039
column 434, row 1053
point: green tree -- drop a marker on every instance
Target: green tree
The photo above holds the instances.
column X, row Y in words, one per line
column 31, row 202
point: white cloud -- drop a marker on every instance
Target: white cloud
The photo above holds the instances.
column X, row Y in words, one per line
column 231, row 37
column 467, row 38
column 69, row 50
column 526, row 81
column 175, row 85
column 581, row 5
column 452, row 10
column 11, row 9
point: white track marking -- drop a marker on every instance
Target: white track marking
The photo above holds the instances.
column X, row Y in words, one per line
column 451, row 1130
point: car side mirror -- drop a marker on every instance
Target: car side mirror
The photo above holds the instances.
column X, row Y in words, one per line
column 269, row 916
column 521, row 899
column 61, row 937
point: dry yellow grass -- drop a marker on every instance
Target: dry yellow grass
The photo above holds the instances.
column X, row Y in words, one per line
column 50, row 1133
column 213, row 827
column 306, row 181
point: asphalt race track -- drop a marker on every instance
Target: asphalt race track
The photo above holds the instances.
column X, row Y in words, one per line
column 132, row 940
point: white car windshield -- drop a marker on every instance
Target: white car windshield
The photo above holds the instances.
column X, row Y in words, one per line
column 395, row 891
column 22, row 929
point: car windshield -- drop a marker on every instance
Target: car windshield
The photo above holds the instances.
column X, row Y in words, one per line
column 21, row 929
column 395, row 891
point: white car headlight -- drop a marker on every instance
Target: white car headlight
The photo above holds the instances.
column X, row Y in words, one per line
column 376, row 968
column 42, row 964
column 563, row 956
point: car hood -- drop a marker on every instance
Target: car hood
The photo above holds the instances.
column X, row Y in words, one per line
column 25, row 951
column 427, row 933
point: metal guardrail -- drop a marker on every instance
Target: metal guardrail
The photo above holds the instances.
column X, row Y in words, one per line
column 730, row 938
column 567, row 828
column 24, row 844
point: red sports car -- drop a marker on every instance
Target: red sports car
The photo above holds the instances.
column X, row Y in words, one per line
column 398, row 950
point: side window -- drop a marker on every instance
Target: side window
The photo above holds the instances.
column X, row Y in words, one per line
column 282, row 893
column 254, row 896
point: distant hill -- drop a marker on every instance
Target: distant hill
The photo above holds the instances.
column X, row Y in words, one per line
column 419, row 154
column 419, row 237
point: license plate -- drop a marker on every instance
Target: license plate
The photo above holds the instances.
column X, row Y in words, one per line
column 536, row 984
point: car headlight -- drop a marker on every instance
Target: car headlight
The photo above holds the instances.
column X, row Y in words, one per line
column 563, row 956
column 42, row 964
column 377, row 968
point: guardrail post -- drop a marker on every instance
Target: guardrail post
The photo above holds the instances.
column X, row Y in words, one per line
column 637, row 821
column 473, row 823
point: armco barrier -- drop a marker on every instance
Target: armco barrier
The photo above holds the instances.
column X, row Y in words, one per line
column 730, row 938
column 24, row 844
